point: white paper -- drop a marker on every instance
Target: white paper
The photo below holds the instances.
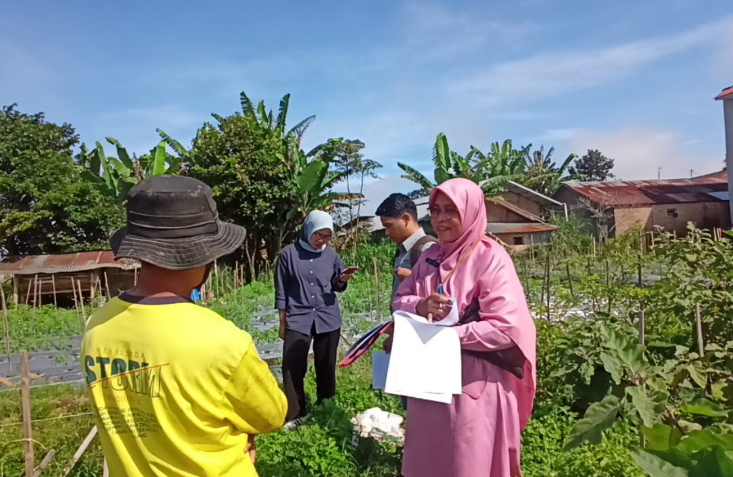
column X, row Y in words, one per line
column 380, row 363
column 425, row 361
column 450, row 320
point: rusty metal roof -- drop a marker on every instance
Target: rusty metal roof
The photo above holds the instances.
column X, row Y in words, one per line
column 726, row 94
column 69, row 263
column 511, row 228
column 514, row 208
column 642, row 193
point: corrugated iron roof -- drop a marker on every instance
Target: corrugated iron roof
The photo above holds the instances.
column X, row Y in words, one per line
column 68, row 263
column 726, row 94
column 640, row 193
column 533, row 195
column 507, row 228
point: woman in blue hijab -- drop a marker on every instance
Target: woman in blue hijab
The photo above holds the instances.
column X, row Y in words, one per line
column 309, row 275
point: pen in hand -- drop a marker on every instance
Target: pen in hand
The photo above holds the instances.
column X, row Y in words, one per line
column 440, row 292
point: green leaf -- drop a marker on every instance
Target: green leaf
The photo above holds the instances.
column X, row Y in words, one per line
column 703, row 407
column 633, row 357
column 688, row 427
column 247, row 106
column 661, row 436
column 702, row 439
column 441, row 175
column 122, row 153
column 299, row 129
column 648, row 409
column 416, row 177
column 599, row 417
column 158, row 164
column 656, row 466
column 312, row 176
column 613, row 365
column 441, row 153
column 711, row 462
column 175, row 145
column 283, row 114
column 697, row 375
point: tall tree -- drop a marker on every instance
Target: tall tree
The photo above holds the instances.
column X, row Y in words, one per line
column 593, row 166
column 352, row 168
column 45, row 205
column 245, row 162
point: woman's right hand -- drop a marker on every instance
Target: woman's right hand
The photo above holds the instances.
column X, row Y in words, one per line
column 436, row 304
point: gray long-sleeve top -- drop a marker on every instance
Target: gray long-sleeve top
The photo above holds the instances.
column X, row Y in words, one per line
column 306, row 284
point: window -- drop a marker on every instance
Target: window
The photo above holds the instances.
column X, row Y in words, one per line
column 518, row 240
column 672, row 213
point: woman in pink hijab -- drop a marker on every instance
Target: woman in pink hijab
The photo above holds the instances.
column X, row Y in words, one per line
column 478, row 434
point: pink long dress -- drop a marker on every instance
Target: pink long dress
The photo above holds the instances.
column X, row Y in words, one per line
column 479, row 433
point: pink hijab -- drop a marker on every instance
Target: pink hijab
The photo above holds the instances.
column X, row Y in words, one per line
column 487, row 268
column 470, row 201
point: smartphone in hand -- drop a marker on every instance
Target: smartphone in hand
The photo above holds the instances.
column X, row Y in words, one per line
column 350, row 270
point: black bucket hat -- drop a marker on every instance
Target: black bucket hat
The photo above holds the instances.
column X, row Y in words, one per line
column 172, row 222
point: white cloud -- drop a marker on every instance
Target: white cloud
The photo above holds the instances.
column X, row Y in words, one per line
column 555, row 73
column 639, row 153
column 562, row 134
column 446, row 32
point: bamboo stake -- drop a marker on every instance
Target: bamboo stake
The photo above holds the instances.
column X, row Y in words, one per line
column 73, row 291
column 548, row 286
column 35, row 291
column 80, row 451
column 6, row 328
column 570, row 279
column 376, row 280
column 105, row 469
column 28, row 293
column 27, row 425
column 642, row 331
column 81, row 304
column 45, row 463
column 106, row 284
column 53, row 286
column 698, row 322
column 236, row 273
column 531, row 249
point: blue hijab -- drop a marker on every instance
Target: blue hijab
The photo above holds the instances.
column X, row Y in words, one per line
column 316, row 220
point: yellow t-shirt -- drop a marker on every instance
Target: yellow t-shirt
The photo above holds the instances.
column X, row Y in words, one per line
column 176, row 390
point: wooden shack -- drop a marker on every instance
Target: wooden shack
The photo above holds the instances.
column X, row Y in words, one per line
column 44, row 277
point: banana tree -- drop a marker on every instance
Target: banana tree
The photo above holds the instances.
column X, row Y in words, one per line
column 491, row 171
column 117, row 175
column 277, row 123
column 543, row 175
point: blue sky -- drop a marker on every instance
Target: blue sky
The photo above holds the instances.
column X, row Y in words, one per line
column 633, row 79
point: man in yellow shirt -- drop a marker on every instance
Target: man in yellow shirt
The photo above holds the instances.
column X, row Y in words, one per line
column 177, row 390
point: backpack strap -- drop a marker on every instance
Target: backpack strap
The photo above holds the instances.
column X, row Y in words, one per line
column 416, row 249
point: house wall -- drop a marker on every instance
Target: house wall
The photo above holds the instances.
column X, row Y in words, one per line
column 119, row 281
column 627, row 218
column 530, row 206
column 728, row 114
column 537, row 238
column 705, row 215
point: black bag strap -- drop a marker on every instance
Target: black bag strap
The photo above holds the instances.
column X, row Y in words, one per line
column 416, row 249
